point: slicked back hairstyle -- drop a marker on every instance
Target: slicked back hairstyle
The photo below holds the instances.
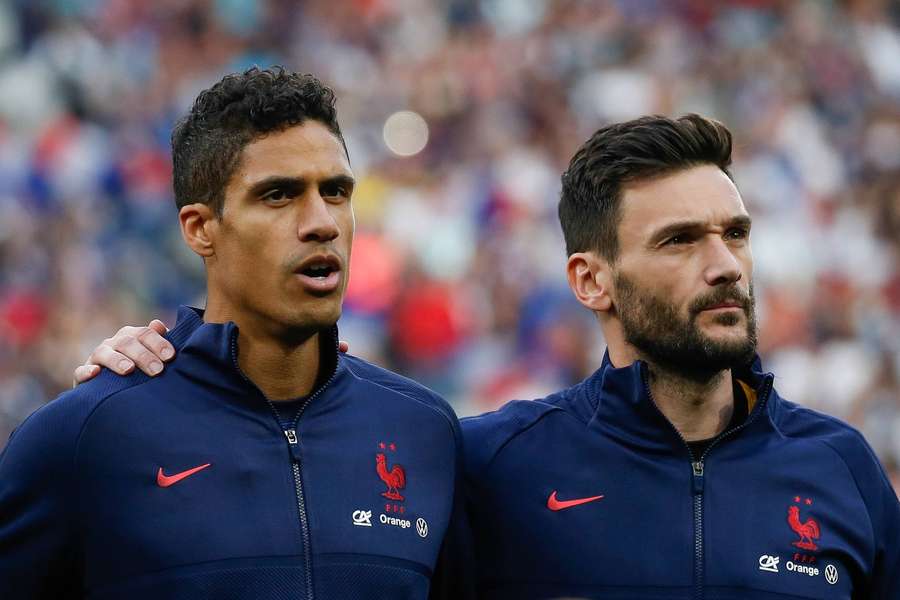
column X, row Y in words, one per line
column 207, row 143
column 644, row 148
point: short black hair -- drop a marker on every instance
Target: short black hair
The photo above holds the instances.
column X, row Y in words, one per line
column 640, row 149
column 207, row 143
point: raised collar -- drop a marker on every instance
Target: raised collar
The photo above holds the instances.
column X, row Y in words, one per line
column 215, row 345
column 620, row 403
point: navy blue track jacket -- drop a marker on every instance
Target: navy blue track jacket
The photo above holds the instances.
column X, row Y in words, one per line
column 592, row 493
column 185, row 486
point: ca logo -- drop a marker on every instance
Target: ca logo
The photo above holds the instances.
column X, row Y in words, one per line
column 362, row 518
column 769, row 563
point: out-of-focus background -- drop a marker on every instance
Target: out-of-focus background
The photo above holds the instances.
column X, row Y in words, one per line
column 460, row 116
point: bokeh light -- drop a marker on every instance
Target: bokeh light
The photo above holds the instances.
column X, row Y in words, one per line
column 405, row 133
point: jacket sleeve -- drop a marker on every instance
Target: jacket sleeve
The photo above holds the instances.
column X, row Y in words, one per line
column 454, row 574
column 37, row 493
column 880, row 577
column 885, row 511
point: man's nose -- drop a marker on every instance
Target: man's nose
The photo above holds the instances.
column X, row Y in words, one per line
column 317, row 224
column 722, row 266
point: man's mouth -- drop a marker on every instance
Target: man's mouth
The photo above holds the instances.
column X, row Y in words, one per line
column 725, row 305
column 318, row 271
column 320, row 274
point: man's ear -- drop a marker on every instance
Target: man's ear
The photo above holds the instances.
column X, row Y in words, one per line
column 198, row 222
column 590, row 278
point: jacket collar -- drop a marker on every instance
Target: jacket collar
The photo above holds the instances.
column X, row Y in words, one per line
column 621, row 405
column 215, row 345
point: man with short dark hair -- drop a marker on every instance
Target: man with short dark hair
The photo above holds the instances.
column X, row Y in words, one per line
column 262, row 463
column 675, row 470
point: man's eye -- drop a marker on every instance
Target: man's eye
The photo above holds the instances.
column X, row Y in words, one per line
column 677, row 239
column 737, row 233
column 276, row 195
column 335, row 190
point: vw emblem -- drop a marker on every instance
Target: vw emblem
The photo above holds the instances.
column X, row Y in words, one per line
column 421, row 527
column 831, row 574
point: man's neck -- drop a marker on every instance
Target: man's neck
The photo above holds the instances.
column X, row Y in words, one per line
column 283, row 367
column 282, row 371
column 698, row 410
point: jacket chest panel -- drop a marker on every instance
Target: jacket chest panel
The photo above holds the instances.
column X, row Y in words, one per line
column 642, row 531
column 790, row 521
column 605, row 522
column 169, row 496
column 387, row 484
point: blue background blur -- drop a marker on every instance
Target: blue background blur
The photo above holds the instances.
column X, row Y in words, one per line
column 458, row 263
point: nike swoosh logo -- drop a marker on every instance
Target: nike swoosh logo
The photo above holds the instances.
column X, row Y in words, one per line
column 164, row 480
column 554, row 504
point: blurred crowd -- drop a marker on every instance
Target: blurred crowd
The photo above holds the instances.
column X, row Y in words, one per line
column 458, row 267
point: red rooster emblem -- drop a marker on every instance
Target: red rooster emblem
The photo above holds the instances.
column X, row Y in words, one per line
column 807, row 531
column 395, row 479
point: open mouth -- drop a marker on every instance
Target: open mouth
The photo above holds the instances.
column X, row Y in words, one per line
column 320, row 274
column 319, row 266
column 318, row 271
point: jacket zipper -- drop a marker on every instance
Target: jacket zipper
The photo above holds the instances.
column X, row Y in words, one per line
column 293, row 441
column 698, row 477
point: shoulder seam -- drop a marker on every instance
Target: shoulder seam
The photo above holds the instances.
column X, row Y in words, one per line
column 855, row 482
column 90, row 415
column 446, row 417
column 490, row 463
column 70, row 515
column 831, row 447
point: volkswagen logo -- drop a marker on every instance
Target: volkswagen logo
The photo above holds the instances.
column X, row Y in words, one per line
column 421, row 527
column 831, row 574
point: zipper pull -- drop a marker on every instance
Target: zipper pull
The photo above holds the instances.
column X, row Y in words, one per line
column 697, row 479
column 293, row 443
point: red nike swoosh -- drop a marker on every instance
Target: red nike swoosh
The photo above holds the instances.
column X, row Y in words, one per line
column 164, row 480
column 554, row 504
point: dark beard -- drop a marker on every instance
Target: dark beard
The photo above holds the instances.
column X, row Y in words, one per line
column 677, row 344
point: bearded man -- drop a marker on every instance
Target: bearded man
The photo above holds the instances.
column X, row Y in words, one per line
column 675, row 469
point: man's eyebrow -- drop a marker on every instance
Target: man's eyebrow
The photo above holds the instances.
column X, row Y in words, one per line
column 344, row 180
column 295, row 183
column 276, row 181
column 741, row 221
column 683, row 226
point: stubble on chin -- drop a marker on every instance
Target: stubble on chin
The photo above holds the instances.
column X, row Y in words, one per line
column 678, row 343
